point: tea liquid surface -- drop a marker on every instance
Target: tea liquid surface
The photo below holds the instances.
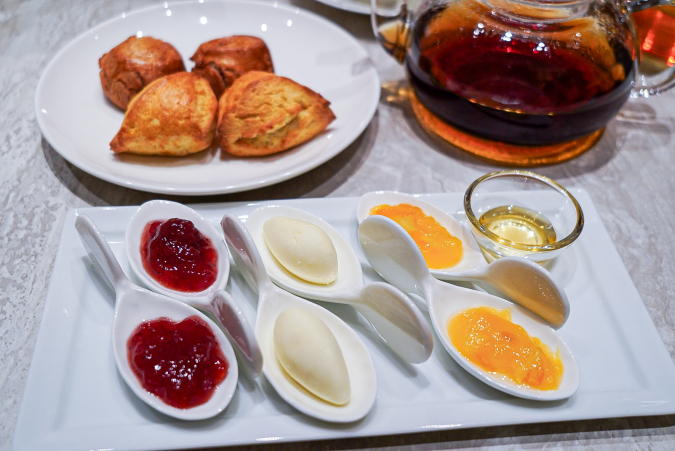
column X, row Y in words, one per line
column 489, row 83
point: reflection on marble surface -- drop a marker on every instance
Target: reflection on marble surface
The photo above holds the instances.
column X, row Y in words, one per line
column 628, row 174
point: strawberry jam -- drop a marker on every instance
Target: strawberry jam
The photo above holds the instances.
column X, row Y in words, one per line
column 181, row 363
column 178, row 256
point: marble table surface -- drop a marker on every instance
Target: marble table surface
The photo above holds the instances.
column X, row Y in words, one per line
column 628, row 174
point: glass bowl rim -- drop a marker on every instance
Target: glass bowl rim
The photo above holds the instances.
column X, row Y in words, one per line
column 559, row 244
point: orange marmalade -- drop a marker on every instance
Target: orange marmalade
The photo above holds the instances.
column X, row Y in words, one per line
column 439, row 248
column 488, row 338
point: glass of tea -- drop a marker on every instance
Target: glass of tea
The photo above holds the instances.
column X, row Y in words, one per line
column 656, row 39
column 520, row 82
column 522, row 214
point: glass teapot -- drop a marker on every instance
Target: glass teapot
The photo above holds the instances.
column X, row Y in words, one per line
column 523, row 82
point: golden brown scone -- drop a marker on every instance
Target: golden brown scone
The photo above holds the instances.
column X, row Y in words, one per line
column 175, row 115
column 222, row 61
column 262, row 113
column 134, row 64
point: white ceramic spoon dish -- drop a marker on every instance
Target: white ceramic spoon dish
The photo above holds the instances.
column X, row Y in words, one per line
column 516, row 279
column 214, row 300
column 393, row 315
column 163, row 210
column 522, row 281
column 271, row 302
column 396, row 257
column 133, row 306
column 472, row 257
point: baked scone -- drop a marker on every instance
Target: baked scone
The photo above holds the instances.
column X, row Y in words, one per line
column 262, row 114
column 222, row 61
column 175, row 115
column 134, row 64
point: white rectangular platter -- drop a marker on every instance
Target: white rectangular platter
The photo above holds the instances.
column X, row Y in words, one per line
column 76, row 400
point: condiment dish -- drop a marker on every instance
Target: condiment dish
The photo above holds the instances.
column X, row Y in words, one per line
column 516, row 279
column 135, row 305
column 396, row 257
column 214, row 301
column 545, row 211
column 523, row 282
column 393, row 315
column 471, row 255
column 271, row 302
column 163, row 210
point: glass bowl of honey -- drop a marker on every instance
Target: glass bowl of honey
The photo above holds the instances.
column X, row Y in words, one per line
column 522, row 214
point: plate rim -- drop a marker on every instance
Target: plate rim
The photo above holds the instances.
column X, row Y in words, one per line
column 347, row 5
column 93, row 169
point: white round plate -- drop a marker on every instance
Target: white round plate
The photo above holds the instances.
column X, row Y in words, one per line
column 79, row 122
column 355, row 6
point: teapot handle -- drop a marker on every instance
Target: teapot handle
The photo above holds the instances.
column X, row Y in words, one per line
column 643, row 87
column 391, row 21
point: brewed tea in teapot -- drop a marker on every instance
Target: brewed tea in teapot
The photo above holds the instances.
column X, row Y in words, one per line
column 526, row 73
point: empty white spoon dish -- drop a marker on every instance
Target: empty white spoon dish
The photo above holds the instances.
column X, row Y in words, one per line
column 516, row 279
column 396, row 257
column 272, row 301
column 135, row 305
column 393, row 315
column 214, row 300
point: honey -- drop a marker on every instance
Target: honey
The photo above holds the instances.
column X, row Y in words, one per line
column 520, row 225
